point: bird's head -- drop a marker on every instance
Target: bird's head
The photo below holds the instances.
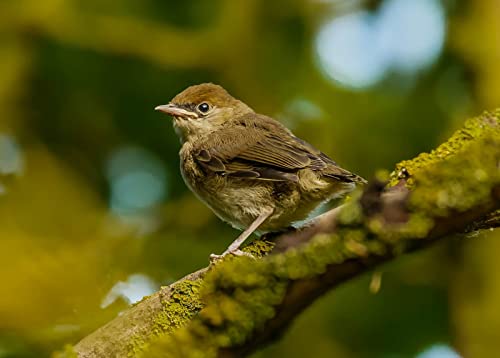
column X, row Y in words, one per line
column 203, row 109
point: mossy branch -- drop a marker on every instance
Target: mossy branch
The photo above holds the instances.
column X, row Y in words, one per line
column 240, row 304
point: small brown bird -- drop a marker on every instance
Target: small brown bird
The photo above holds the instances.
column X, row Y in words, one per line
column 248, row 168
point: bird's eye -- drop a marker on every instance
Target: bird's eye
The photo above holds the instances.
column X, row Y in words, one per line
column 204, row 107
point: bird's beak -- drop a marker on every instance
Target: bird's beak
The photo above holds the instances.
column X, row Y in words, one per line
column 175, row 111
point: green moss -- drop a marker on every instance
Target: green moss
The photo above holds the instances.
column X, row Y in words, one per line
column 458, row 175
column 136, row 346
column 351, row 213
column 241, row 293
column 259, row 248
column 186, row 300
column 462, row 183
column 183, row 303
column 473, row 129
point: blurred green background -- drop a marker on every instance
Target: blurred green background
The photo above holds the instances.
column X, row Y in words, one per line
column 93, row 211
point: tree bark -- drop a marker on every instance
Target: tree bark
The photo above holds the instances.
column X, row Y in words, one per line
column 240, row 304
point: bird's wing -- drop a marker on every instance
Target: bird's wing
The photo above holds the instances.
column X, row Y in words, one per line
column 256, row 153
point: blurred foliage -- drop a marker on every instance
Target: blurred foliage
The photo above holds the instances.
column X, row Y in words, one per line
column 79, row 80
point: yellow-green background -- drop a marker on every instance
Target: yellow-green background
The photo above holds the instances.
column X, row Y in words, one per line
column 78, row 83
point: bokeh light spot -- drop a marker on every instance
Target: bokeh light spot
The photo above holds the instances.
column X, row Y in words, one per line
column 137, row 190
column 357, row 50
column 347, row 53
column 11, row 158
column 137, row 178
column 412, row 32
column 439, row 351
column 133, row 290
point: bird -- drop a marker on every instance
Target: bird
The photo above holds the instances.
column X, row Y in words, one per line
column 248, row 168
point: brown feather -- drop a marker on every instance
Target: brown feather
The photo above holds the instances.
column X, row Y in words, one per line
column 264, row 150
column 243, row 164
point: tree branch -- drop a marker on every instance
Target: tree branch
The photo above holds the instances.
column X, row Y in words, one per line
column 240, row 304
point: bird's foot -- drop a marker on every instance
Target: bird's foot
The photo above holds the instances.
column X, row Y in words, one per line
column 214, row 258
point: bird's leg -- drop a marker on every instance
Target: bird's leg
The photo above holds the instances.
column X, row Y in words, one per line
column 234, row 248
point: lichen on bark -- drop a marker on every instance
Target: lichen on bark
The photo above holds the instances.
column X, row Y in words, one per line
column 241, row 294
column 474, row 130
column 240, row 303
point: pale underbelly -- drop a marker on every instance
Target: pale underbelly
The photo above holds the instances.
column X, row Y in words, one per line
column 240, row 201
column 240, row 207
